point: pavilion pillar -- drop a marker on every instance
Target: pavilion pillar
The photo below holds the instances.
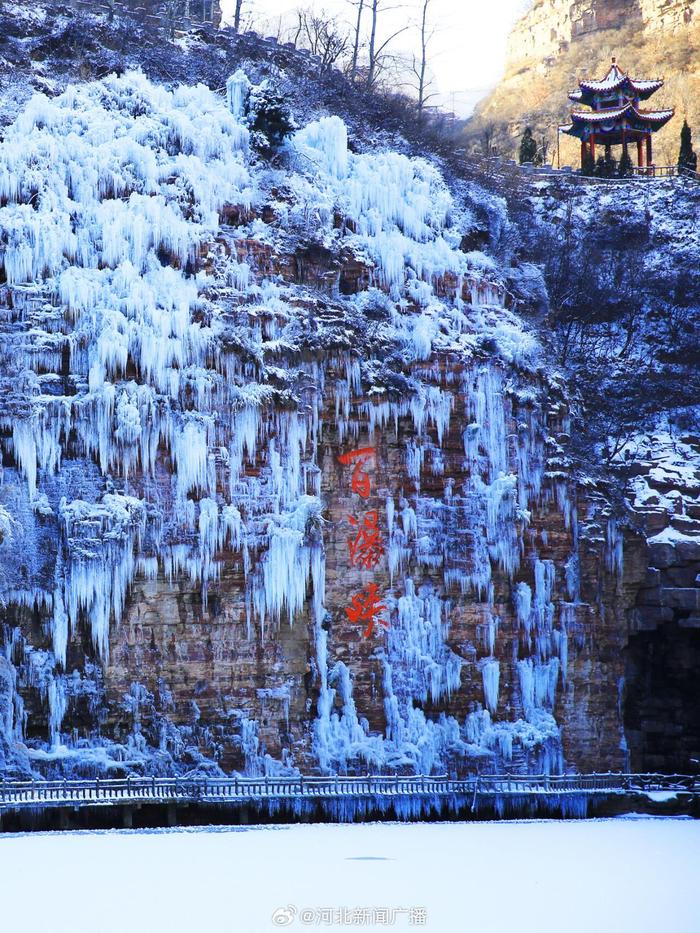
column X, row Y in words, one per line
column 593, row 146
column 640, row 153
column 650, row 159
column 583, row 153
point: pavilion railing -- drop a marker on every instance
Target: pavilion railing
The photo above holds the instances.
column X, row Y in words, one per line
column 79, row 793
column 635, row 173
column 509, row 170
column 654, row 171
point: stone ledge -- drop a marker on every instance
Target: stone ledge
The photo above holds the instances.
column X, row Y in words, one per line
column 680, row 597
column 648, row 618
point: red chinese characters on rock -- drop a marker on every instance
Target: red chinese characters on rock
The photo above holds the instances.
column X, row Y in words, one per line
column 365, row 547
column 360, row 478
column 366, row 607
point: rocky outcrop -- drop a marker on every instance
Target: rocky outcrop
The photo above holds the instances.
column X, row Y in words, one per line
column 181, row 13
column 658, row 466
column 549, row 28
column 663, row 657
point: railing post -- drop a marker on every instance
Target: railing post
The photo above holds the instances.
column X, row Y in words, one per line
column 301, row 784
column 153, row 785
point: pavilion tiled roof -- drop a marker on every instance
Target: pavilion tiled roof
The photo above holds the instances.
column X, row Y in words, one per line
column 615, row 113
column 615, row 79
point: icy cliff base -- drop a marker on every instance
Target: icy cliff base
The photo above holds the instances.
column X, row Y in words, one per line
column 190, row 337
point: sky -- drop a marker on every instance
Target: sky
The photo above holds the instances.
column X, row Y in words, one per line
column 467, row 52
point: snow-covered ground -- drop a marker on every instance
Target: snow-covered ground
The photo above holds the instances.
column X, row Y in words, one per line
column 637, row 875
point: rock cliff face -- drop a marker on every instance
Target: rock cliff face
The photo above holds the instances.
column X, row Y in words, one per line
column 196, row 344
column 558, row 42
column 659, row 471
column 663, row 658
column 551, row 26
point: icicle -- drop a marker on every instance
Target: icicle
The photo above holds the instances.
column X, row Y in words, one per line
column 237, row 90
column 417, row 640
column 522, row 597
column 614, row 548
column 281, row 585
column 57, row 707
column 101, row 565
column 325, row 141
column 491, row 672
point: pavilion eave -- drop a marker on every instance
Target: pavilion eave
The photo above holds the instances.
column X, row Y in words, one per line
column 612, row 138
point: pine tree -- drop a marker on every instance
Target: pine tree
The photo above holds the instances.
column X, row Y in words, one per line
column 588, row 165
column 269, row 116
column 687, row 157
column 624, row 169
column 528, row 147
column 606, row 166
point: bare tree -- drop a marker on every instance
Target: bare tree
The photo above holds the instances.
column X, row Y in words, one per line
column 237, row 10
column 419, row 63
column 357, row 33
column 323, row 35
column 377, row 52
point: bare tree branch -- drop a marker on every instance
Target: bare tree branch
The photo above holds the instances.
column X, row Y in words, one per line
column 375, row 52
column 323, row 35
column 360, row 4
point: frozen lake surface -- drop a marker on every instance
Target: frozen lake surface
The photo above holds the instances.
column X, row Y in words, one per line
column 635, row 875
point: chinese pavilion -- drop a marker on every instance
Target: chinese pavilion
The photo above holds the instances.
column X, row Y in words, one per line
column 615, row 117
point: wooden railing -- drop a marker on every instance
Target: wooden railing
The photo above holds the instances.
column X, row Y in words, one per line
column 101, row 791
column 510, row 170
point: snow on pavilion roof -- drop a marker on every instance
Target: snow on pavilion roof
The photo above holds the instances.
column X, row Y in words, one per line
column 616, row 78
column 605, row 116
column 610, row 122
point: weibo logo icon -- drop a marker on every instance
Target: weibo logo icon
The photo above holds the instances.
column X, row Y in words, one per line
column 283, row 916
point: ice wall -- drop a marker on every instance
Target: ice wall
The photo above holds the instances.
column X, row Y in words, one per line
column 176, row 400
